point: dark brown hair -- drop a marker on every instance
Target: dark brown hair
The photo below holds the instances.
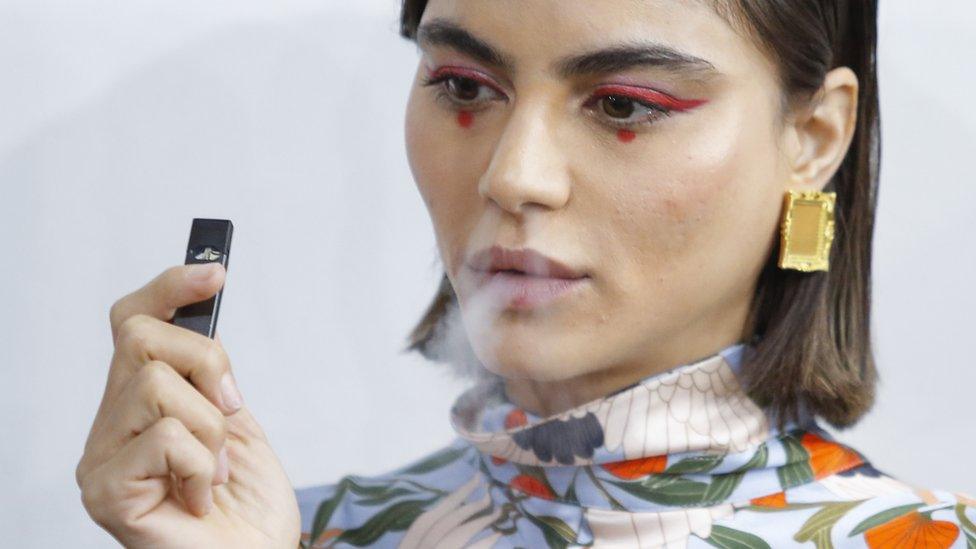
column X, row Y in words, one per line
column 811, row 331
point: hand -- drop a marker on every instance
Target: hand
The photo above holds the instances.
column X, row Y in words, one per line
column 174, row 458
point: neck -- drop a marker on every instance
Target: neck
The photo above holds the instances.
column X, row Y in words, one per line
column 546, row 398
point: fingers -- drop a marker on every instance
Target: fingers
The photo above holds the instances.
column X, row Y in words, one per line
column 170, row 290
column 160, row 432
column 156, row 391
column 136, row 480
column 142, row 339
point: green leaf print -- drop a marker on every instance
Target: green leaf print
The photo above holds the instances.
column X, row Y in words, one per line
column 570, row 495
column 967, row 525
column 487, row 510
column 757, row 461
column 695, row 464
column 667, row 490
column 366, row 491
column 436, row 461
column 798, row 470
column 721, row 487
column 386, row 496
column 672, row 490
column 396, row 517
column 970, row 541
column 883, row 517
column 553, row 540
column 728, row 538
column 817, row 528
column 324, row 512
column 554, row 529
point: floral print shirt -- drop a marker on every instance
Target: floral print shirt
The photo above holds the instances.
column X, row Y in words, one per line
column 684, row 458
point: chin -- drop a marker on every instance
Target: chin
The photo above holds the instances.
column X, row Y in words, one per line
column 520, row 352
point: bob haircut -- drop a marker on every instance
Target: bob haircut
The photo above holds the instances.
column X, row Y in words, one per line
column 811, row 331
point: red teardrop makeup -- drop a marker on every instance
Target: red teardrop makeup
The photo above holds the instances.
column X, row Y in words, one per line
column 626, row 136
column 465, row 119
column 646, row 96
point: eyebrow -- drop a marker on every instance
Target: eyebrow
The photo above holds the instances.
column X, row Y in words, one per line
column 631, row 54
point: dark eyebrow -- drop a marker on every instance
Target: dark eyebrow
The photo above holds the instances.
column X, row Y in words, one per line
column 443, row 32
column 630, row 55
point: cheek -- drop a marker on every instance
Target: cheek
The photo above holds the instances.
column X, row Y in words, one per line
column 445, row 172
column 684, row 205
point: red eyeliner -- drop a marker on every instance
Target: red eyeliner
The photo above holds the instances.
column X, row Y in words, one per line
column 651, row 96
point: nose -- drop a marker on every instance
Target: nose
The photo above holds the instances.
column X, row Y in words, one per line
column 528, row 166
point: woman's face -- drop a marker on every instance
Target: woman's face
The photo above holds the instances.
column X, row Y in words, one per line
column 657, row 179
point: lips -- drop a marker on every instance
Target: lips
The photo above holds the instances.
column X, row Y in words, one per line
column 524, row 261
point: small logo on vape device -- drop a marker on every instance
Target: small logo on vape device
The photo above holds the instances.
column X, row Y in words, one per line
column 208, row 253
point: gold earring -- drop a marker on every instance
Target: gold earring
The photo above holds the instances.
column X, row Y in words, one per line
column 806, row 230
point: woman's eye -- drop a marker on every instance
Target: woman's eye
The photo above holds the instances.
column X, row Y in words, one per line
column 462, row 91
column 621, row 111
column 465, row 90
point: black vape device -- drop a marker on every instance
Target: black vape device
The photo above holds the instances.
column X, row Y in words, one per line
column 209, row 243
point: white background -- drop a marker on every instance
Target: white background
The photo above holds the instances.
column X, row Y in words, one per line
column 120, row 121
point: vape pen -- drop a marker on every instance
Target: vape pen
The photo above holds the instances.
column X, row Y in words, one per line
column 209, row 243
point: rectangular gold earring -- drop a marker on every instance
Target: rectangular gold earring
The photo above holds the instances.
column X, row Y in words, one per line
column 806, row 230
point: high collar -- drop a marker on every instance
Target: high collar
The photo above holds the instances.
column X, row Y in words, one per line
column 688, row 436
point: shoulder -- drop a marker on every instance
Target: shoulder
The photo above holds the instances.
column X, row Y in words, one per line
column 860, row 507
column 377, row 510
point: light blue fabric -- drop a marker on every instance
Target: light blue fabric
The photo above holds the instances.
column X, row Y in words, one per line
column 681, row 459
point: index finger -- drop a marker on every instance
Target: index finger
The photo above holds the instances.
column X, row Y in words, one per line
column 173, row 288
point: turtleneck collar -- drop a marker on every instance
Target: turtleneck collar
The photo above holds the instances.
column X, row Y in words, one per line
column 685, row 437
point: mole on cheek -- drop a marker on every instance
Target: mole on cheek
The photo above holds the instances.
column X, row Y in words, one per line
column 626, row 136
column 465, row 119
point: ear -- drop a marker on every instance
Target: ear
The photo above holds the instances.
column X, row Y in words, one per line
column 822, row 131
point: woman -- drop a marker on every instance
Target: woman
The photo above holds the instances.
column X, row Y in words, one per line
column 655, row 220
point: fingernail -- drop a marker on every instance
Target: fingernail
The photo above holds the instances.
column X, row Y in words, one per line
column 229, row 393
column 223, row 466
column 201, row 271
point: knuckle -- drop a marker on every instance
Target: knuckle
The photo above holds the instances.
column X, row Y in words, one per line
column 216, row 358
column 214, row 425
column 134, row 324
column 93, row 498
column 133, row 334
column 152, row 379
column 169, row 430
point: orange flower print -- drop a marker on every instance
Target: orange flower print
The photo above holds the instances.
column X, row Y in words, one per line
column 776, row 500
column 636, row 468
column 912, row 530
column 532, row 486
column 827, row 457
column 515, row 418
